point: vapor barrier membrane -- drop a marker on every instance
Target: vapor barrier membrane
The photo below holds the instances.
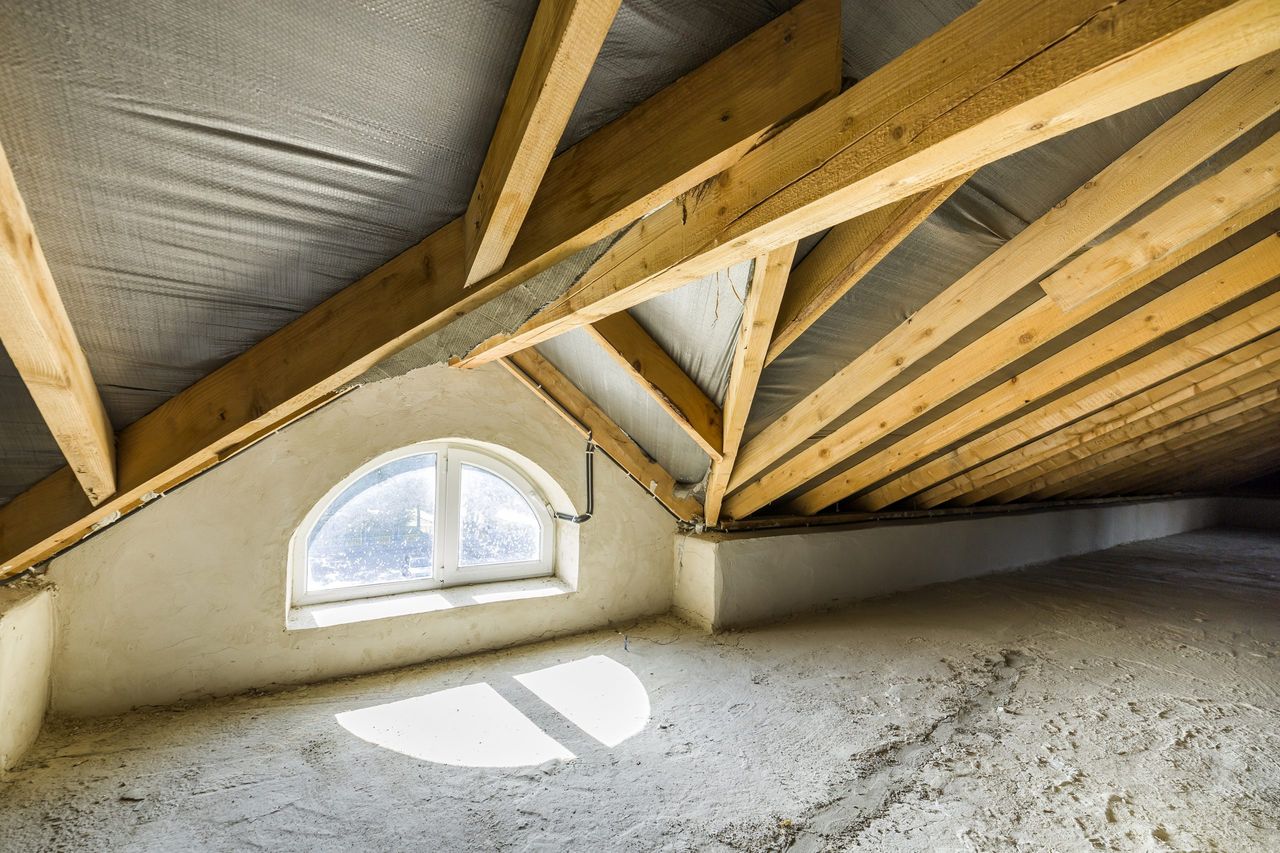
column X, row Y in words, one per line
column 963, row 232
column 200, row 174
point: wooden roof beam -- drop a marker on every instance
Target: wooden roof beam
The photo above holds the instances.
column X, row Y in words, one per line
column 627, row 343
column 844, row 256
column 1232, row 279
column 1246, row 191
column 544, row 379
column 1212, row 121
column 970, row 467
column 769, row 277
column 1035, row 457
column 39, row 338
column 563, row 41
column 1113, row 472
column 941, row 109
column 1204, row 397
column 668, row 144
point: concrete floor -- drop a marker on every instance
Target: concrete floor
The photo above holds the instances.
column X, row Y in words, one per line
column 1128, row 700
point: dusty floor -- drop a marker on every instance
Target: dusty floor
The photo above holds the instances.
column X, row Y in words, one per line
column 1129, row 700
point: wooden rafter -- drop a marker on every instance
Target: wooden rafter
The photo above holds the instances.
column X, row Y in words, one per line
column 769, row 276
column 1031, row 328
column 1219, row 116
column 1211, row 290
column 1244, row 459
column 563, row 41
column 554, row 387
column 844, row 256
column 627, row 343
column 1141, row 421
column 977, row 470
column 939, row 110
column 1114, row 466
column 43, row 346
column 672, row 142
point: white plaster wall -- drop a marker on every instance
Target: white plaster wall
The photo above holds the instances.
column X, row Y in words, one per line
column 26, row 654
column 761, row 577
column 186, row 598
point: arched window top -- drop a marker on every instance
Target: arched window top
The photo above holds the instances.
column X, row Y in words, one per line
column 426, row 516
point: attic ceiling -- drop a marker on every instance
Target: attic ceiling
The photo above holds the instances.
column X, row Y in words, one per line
column 202, row 174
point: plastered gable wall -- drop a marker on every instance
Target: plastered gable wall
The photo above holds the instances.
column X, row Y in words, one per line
column 186, row 598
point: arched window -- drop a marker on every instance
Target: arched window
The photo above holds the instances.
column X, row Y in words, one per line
column 425, row 516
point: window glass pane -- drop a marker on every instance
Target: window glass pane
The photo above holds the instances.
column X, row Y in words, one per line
column 380, row 529
column 498, row 525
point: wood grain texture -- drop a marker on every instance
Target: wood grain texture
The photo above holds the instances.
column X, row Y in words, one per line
column 668, row 144
column 1232, row 279
column 1239, row 101
column 847, row 253
column 769, row 276
column 964, row 474
column 941, row 109
column 41, row 342
column 561, row 48
column 652, row 368
column 554, row 387
column 1022, row 334
column 1140, row 417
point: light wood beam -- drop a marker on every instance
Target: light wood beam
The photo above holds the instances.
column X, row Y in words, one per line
column 627, row 343
column 39, row 338
column 1230, row 466
column 1026, row 331
column 563, row 41
column 769, row 277
column 1007, row 469
column 1209, row 291
column 1111, row 471
column 970, row 467
column 845, row 255
column 554, row 387
column 1211, row 122
column 1143, row 420
column 672, row 142
column 1189, row 470
column 941, row 109
column 1160, row 474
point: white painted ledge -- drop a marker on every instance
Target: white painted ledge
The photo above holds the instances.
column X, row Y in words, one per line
column 424, row 601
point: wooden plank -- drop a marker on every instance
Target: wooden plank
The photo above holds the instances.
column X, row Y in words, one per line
column 563, row 41
column 1000, row 454
column 769, row 277
column 627, row 343
column 1230, row 459
column 1110, row 468
column 1229, row 280
column 973, row 465
column 1212, row 121
column 1230, row 465
column 1020, row 335
column 1143, row 420
column 943, row 108
column 1166, row 473
column 847, row 253
column 555, row 388
column 1149, row 457
column 670, row 143
column 39, row 338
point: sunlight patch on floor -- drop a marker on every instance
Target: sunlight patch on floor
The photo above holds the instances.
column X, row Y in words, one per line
column 476, row 726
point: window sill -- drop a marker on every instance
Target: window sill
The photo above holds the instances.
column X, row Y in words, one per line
column 424, row 601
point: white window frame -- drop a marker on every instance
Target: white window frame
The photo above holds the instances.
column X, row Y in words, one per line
column 446, row 570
